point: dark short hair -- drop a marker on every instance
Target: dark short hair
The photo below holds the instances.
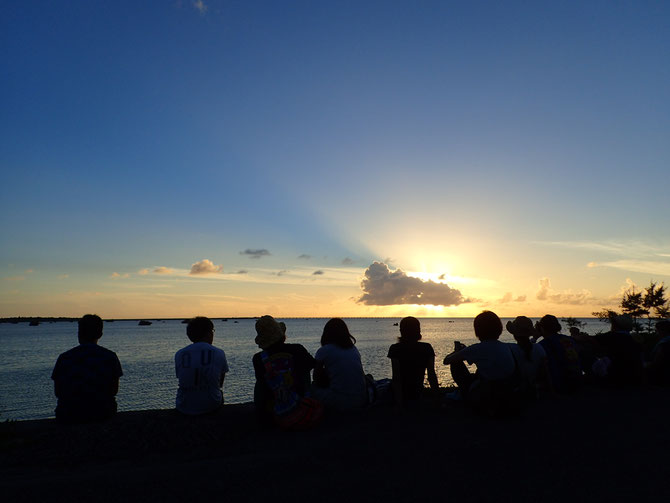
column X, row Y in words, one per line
column 663, row 326
column 336, row 332
column 410, row 329
column 550, row 323
column 487, row 325
column 90, row 327
column 198, row 328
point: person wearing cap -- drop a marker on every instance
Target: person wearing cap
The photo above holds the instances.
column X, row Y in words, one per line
column 531, row 358
column 282, row 373
column 201, row 369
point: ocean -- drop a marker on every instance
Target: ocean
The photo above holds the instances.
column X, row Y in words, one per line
column 146, row 353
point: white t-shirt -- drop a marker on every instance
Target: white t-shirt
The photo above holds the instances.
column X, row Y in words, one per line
column 344, row 368
column 199, row 368
column 529, row 368
column 494, row 359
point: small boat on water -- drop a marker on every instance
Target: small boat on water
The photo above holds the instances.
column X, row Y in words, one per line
column 144, row 323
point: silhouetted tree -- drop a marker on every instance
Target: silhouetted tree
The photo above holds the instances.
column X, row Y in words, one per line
column 654, row 300
column 574, row 322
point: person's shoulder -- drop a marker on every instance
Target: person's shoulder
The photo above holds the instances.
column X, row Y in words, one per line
column 539, row 350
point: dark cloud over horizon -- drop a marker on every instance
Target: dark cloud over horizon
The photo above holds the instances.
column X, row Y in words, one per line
column 347, row 261
column 255, row 254
column 304, row 256
column 318, row 273
column 384, row 287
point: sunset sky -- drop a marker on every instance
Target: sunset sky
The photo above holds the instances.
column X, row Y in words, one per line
column 332, row 158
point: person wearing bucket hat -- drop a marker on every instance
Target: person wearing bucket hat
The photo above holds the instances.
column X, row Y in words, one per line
column 282, row 377
column 531, row 358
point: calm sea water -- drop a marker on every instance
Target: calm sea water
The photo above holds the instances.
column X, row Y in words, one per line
column 146, row 353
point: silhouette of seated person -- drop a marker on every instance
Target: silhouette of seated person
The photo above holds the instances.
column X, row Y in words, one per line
column 620, row 357
column 531, row 358
column 339, row 380
column 86, row 378
column 658, row 368
column 282, row 379
column 496, row 367
column 411, row 360
column 201, row 368
column 562, row 356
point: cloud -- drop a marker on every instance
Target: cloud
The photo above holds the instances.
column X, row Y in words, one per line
column 644, row 266
column 200, row 6
column 383, row 287
column 143, row 272
column 591, row 265
column 64, row 276
column 347, row 261
column 255, row 254
column 116, row 275
column 304, row 256
column 280, row 273
column 318, row 273
column 546, row 293
column 29, row 271
column 241, row 271
column 162, row 270
column 205, row 266
column 508, row 297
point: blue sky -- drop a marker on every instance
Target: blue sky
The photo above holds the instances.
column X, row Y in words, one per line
column 496, row 143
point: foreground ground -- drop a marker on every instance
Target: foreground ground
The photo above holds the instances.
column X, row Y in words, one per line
column 596, row 446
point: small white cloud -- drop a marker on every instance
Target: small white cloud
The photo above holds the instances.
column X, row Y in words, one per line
column 116, row 275
column 200, row 6
column 506, row 298
column 143, row 272
column 520, row 298
column 205, row 266
column 592, row 265
column 162, row 270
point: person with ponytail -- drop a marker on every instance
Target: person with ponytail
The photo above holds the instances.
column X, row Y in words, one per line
column 531, row 358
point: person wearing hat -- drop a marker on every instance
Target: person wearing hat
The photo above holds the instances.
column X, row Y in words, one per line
column 531, row 358
column 282, row 374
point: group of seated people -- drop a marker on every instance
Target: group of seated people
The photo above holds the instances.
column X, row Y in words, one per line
column 293, row 388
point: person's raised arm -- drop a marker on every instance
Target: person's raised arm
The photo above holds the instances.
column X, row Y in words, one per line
column 456, row 356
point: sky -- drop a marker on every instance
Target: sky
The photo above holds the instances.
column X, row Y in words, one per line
column 332, row 158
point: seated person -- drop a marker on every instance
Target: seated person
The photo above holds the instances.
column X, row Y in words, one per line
column 658, row 369
column 562, row 356
column 530, row 358
column 339, row 381
column 410, row 361
column 86, row 378
column 620, row 360
column 200, row 368
column 282, row 378
column 494, row 360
